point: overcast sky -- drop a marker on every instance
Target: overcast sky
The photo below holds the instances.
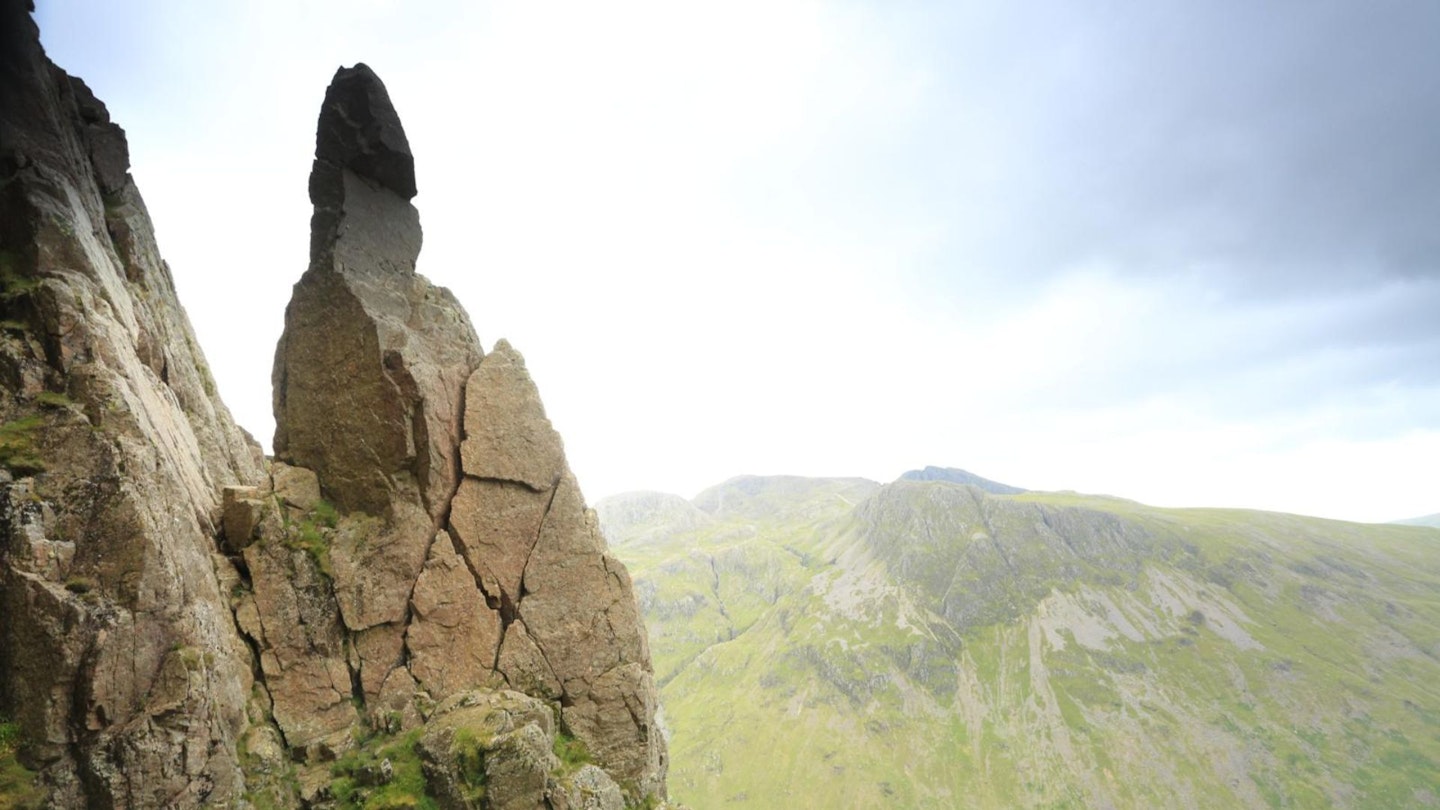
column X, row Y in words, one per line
column 1182, row 252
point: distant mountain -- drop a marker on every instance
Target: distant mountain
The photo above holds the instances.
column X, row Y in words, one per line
column 837, row 643
column 957, row 476
column 1432, row 521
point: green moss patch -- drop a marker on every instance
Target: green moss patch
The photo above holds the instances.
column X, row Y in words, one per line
column 53, row 399
column 357, row 782
column 469, row 755
column 311, row 534
column 18, row 790
column 571, row 752
column 17, row 446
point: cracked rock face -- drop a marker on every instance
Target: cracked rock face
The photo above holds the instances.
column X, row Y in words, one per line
column 462, row 556
column 369, row 372
column 119, row 657
column 181, row 626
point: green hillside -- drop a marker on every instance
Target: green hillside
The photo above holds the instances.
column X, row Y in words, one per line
column 836, row 643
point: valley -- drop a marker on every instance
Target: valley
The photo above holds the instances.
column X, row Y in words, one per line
column 839, row 643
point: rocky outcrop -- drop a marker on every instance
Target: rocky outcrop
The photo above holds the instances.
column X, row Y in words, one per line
column 118, row 654
column 568, row 606
column 183, row 623
column 459, row 553
column 369, row 371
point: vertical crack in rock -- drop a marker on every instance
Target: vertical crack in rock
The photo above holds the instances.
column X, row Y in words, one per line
column 530, row 551
column 524, row 525
column 370, row 370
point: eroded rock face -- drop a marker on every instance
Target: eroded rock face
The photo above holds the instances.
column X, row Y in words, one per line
column 573, row 629
column 169, row 601
column 369, row 372
column 462, row 556
column 119, row 656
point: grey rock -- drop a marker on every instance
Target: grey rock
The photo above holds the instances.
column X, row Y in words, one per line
column 590, row 788
column 122, row 662
column 369, row 370
column 507, row 435
column 296, row 487
column 242, row 511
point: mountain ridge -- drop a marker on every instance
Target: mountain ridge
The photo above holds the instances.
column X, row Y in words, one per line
column 937, row 645
column 1433, row 521
column 956, row 475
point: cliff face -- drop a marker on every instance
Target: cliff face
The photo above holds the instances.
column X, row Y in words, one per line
column 414, row 578
column 114, row 447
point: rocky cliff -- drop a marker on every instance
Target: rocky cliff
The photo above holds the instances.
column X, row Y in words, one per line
column 409, row 603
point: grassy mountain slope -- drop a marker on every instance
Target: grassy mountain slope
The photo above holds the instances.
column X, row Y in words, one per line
column 835, row 643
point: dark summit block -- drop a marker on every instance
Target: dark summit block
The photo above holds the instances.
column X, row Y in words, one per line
column 359, row 130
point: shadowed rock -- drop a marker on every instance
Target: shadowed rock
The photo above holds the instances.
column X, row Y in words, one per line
column 360, row 131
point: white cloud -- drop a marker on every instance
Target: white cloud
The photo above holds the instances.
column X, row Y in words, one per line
column 793, row 238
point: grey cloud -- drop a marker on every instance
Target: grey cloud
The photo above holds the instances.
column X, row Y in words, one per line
column 1233, row 358
column 1277, row 145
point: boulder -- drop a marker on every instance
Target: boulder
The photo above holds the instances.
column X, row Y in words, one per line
column 242, row 510
column 490, row 750
column 296, row 487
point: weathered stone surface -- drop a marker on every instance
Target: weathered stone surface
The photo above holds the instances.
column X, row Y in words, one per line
column 617, row 718
column 498, row 523
column 579, row 608
column 573, row 627
column 524, row 667
column 375, row 563
column 589, row 789
column 296, row 487
column 397, row 709
column 242, row 510
column 369, row 371
column 121, row 661
column 130, row 642
column 579, row 604
column 501, row 740
column 454, row 635
column 380, row 649
column 302, row 652
column 507, row 435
